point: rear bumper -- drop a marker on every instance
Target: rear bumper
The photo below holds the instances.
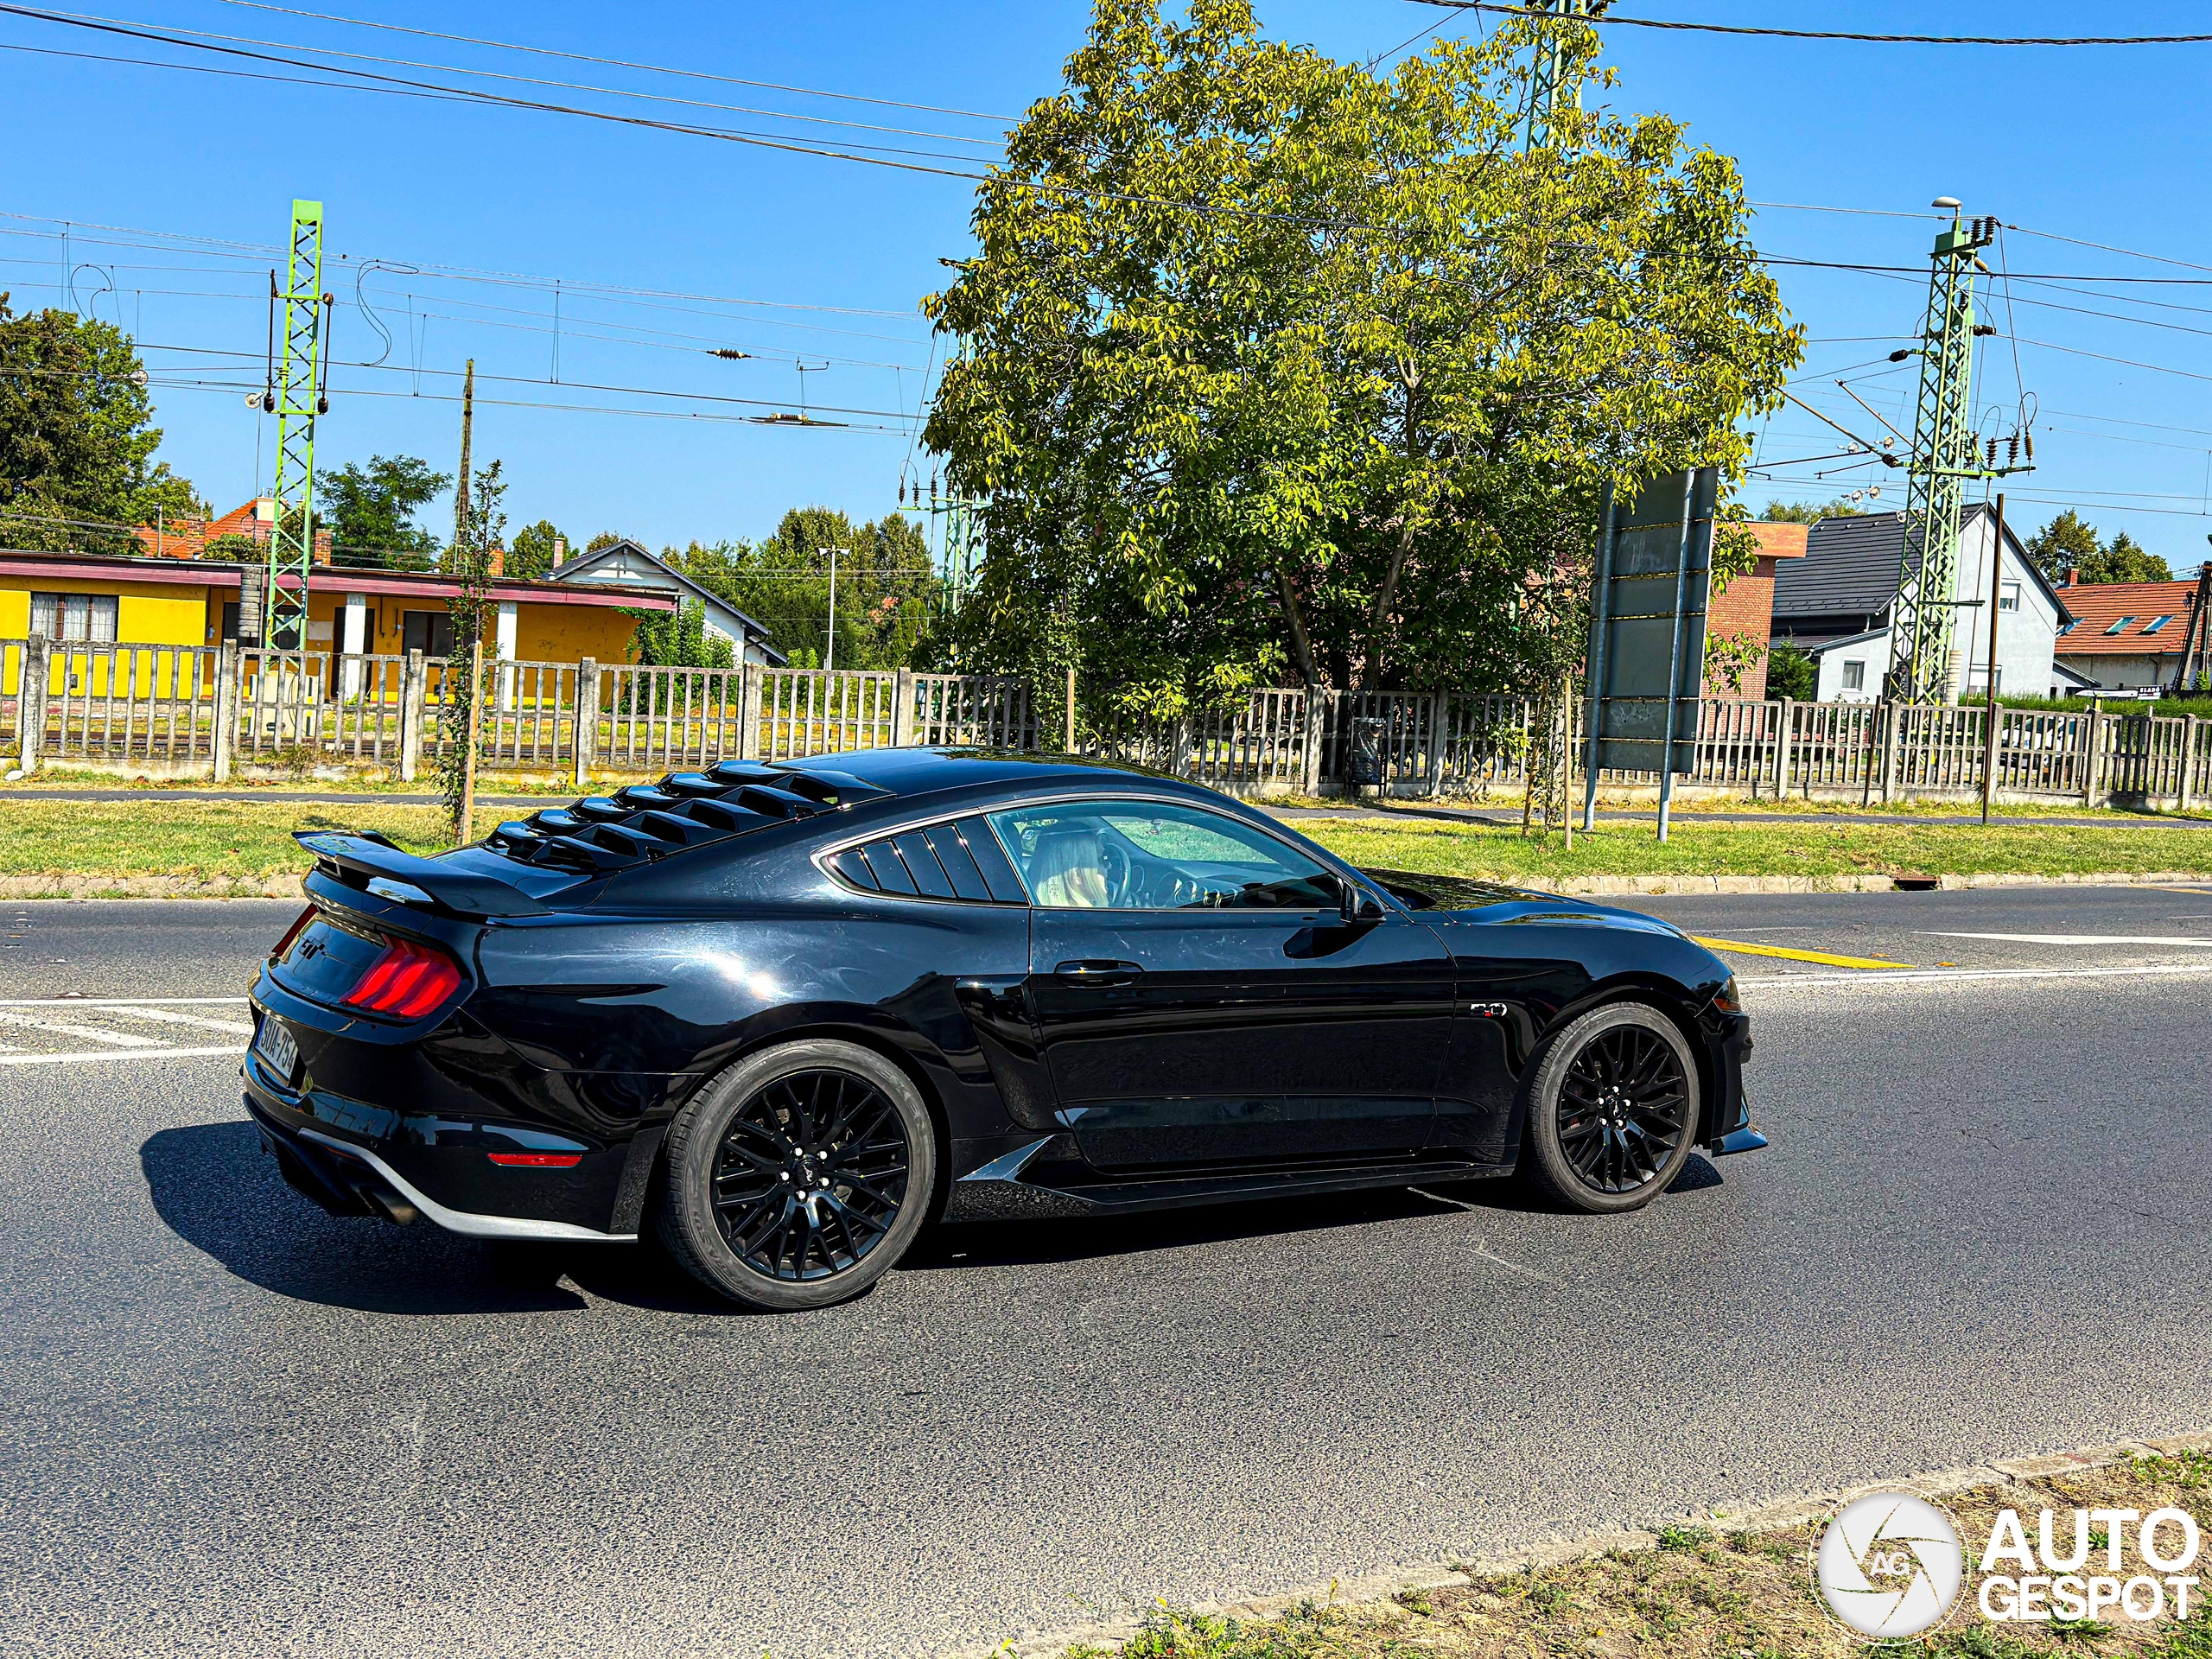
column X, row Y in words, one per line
column 355, row 1157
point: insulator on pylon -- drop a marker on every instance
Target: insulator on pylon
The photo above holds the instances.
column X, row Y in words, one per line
column 2013, row 449
column 1993, row 453
column 2029, row 437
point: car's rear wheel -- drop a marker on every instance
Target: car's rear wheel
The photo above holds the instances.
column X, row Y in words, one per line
column 798, row 1177
column 1612, row 1109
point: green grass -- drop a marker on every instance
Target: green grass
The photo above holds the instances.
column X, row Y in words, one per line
column 202, row 841
column 1785, row 849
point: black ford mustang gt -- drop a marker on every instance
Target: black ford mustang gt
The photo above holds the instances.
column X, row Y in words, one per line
column 786, row 1014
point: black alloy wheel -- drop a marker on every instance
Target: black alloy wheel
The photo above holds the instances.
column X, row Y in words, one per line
column 1614, row 1108
column 811, row 1174
column 798, row 1177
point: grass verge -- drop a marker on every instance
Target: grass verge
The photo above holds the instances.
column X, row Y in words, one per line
column 207, row 841
column 1799, row 850
column 1706, row 1593
column 202, row 841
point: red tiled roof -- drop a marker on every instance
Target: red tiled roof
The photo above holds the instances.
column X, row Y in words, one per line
column 2096, row 606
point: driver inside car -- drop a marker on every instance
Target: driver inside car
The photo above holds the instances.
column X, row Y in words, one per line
column 1066, row 873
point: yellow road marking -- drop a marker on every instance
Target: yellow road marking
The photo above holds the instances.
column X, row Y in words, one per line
column 2194, row 892
column 1795, row 956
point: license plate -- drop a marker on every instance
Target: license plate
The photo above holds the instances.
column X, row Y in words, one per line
column 276, row 1047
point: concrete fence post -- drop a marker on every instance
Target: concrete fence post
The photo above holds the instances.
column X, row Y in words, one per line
column 1316, row 731
column 748, row 712
column 30, row 699
column 1784, row 739
column 2093, row 756
column 225, row 744
column 1892, row 717
column 412, row 693
column 2187, row 762
column 1439, row 712
column 902, row 710
column 587, row 728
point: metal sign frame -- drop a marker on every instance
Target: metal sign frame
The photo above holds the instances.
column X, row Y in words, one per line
column 1646, row 670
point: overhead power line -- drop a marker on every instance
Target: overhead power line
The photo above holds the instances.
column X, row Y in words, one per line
column 616, row 63
column 1832, row 33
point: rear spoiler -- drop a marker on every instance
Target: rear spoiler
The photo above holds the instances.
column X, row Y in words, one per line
column 356, row 859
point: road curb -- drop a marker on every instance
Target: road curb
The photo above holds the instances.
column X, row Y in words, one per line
column 1598, row 885
column 148, row 886
column 1772, row 1516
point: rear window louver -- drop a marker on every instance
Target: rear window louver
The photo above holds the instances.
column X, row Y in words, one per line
column 643, row 822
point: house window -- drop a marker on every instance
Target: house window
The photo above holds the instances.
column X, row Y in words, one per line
column 87, row 617
column 2065, row 628
column 2156, row 623
column 1854, row 676
column 2120, row 625
column 1978, row 680
column 2008, row 596
column 428, row 631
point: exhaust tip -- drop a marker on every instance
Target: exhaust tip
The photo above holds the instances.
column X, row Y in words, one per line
column 389, row 1204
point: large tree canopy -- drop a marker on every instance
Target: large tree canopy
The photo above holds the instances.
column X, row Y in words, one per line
column 76, row 436
column 1269, row 365
column 885, row 586
column 369, row 510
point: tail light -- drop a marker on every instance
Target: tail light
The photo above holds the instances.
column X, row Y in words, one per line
column 292, row 933
column 407, row 980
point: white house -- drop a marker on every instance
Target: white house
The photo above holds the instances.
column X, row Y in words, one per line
column 627, row 563
column 1835, row 604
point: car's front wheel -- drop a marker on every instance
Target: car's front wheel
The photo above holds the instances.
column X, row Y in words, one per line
column 1612, row 1108
column 798, row 1177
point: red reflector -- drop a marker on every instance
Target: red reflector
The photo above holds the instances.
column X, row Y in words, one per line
column 407, row 980
column 537, row 1159
column 292, row 932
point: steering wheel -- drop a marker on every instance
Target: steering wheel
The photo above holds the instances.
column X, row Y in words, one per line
column 1113, row 863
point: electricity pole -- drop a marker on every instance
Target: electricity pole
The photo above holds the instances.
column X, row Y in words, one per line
column 1549, row 92
column 830, row 659
column 1944, row 458
column 473, row 614
column 295, row 393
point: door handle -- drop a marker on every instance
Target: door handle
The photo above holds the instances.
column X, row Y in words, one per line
column 1097, row 972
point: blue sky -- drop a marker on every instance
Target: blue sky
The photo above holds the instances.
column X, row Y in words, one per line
column 2101, row 145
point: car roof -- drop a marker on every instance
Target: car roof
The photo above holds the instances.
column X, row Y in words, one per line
column 910, row 773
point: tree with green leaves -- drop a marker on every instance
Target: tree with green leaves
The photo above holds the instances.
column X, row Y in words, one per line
column 2123, row 559
column 1273, row 368
column 77, row 440
column 530, row 555
column 1790, row 673
column 2061, row 546
column 480, row 527
column 369, row 510
column 1806, row 512
column 885, row 586
column 678, row 639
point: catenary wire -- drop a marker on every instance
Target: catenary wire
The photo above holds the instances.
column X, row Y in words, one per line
column 1829, row 34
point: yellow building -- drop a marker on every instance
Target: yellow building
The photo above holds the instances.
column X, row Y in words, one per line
column 90, row 599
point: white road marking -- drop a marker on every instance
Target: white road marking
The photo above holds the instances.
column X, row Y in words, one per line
column 1791, row 981
column 121, row 1002
column 170, row 1017
column 117, row 1042
column 2074, row 938
column 89, row 1033
column 115, row 1054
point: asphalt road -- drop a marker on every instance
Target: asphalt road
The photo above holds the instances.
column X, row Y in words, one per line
column 229, row 1423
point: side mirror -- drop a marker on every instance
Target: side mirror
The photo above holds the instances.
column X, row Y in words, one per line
column 1359, row 906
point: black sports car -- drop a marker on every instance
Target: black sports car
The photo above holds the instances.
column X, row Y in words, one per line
column 787, row 1014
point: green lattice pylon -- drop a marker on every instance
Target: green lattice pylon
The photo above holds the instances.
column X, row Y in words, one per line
column 297, row 387
column 1943, row 459
column 1547, row 91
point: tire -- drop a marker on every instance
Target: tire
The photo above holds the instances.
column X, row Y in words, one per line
column 798, row 1177
column 1612, row 1109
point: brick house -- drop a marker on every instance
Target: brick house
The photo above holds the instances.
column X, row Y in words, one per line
column 1747, row 607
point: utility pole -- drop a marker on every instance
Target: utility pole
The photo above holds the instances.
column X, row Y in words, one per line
column 1994, row 716
column 1548, row 92
column 295, row 393
column 1944, row 458
column 829, row 660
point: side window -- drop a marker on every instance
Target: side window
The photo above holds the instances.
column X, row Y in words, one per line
column 960, row 859
column 1157, row 856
